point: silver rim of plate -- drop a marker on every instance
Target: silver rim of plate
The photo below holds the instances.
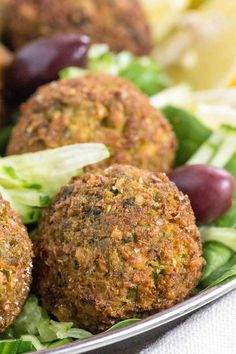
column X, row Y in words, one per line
column 152, row 322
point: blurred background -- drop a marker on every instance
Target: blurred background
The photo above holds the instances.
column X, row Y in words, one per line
column 194, row 40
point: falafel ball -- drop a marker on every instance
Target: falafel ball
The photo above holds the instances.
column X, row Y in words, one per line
column 119, row 23
column 15, row 265
column 101, row 109
column 115, row 244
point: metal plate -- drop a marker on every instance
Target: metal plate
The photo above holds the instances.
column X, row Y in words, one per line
column 156, row 322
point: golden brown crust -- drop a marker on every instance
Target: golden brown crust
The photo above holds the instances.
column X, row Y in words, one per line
column 96, row 108
column 116, row 244
column 15, row 265
column 119, row 23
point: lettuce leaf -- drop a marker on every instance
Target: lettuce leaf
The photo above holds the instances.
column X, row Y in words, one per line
column 29, row 181
column 224, row 235
column 34, row 329
column 221, row 274
column 144, row 71
column 16, row 346
column 124, row 323
column 215, row 255
column 35, row 321
column 190, row 132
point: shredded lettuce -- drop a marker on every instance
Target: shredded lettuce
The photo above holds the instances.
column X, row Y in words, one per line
column 144, row 72
column 34, row 330
column 220, row 274
column 124, row 323
column 228, row 220
column 146, row 75
column 58, row 343
column 218, row 149
column 216, row 255
column 177, row 96
column 49, row 169
column 34, row 342
column 224, row 235
column 189, row 131
column 219, row 251
column 29, row 214
column 212, row 107
column 16, row 346
column 182, row 95
column 214, row 115
column 34, row 325
column 29, row 181
column 72, row 72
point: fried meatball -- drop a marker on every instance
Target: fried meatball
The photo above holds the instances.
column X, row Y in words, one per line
column 119, row 23
column 15, row 265
column 101, row 109
column 115, row 244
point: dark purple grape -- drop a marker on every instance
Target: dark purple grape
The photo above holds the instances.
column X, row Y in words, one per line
column 40, row 61
column 210, row 189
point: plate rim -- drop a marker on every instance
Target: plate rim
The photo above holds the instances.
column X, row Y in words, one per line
column 166, row 316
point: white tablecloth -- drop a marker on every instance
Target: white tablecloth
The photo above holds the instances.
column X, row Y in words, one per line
column 212, row 330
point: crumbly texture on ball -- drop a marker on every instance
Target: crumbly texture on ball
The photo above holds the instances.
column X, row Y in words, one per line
column 101, row 109
column 116, row 244
column 119, row 23
column 15, row 265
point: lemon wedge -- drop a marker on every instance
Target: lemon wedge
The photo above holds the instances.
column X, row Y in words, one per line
column 196, row 3
column 163, row 15
column 201, row 50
